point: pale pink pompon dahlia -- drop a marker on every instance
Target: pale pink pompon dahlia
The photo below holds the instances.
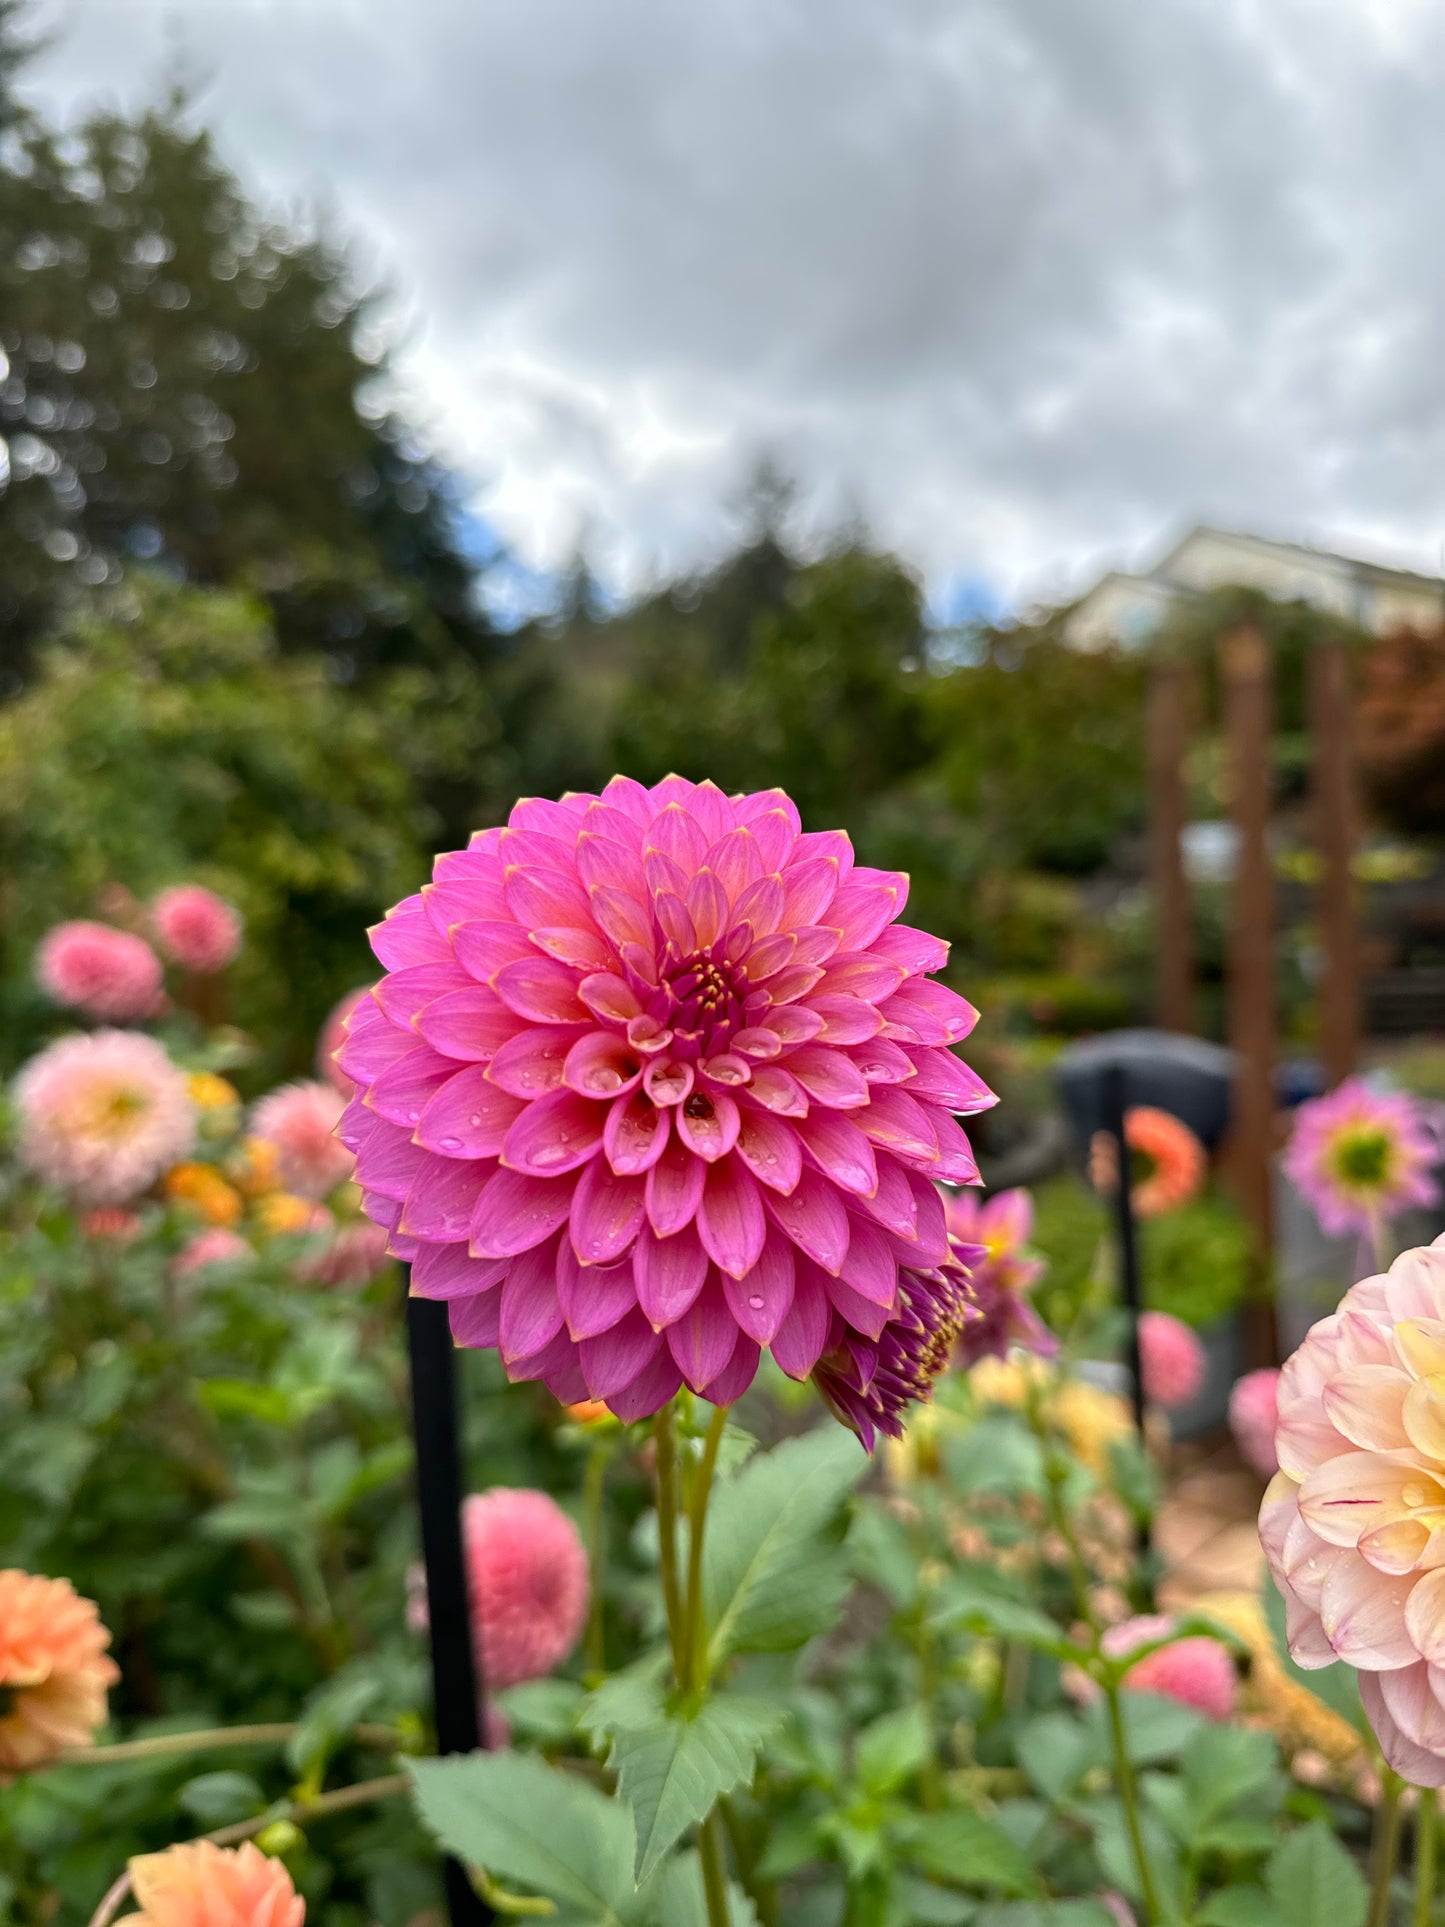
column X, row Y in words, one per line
column 196, row 928
column 197, row 1884
column 300, row 1120
column 1358, row 1156
column 103, row 972
column 102, row 1116
column 655, row 1079
column 1353, row 1523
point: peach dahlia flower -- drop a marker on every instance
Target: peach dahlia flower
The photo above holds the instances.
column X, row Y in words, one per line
column 197, row 1884
column 1353, row 1523
column 54, row 1670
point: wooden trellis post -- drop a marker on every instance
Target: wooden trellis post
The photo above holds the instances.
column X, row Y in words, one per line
column 1167, row 738
column 1335, row 827
column 1248, row 721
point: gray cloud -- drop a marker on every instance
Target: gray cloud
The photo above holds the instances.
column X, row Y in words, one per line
column 1026, row 282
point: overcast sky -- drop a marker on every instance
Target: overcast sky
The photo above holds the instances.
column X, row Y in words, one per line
column 1026, row 284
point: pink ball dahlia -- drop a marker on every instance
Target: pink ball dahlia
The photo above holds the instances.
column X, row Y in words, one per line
column 1353, row 1523
column 104, row 972
column 1173, row 1359
column 654, row 1079
column 1253, row 1414
column 1002, row 1275
column 300, row 1120
column 196, row 928
column 1359, row 1156
column 1196, row 1671
column 528, row 1578
column 102, row 1116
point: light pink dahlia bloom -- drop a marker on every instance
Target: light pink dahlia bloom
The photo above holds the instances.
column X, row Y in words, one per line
column 300, row 1119
column 103, row 972
column 1353, row 1523
column 1002, row 1277
column 655, row 1079
column 1360, row 1156
column 1253, row 1414
column 1173, row 1359
column 196, row 928
column 102, row 1116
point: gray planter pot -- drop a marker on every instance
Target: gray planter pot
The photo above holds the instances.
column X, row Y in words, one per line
column 1313, row 1272
column 1224, row 1354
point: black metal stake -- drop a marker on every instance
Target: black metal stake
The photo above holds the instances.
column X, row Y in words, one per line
column 1115, row 1114
column 456, row 1685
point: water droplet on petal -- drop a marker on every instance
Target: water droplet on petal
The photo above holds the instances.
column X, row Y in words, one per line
column 449, row 1143
column 755, row 1303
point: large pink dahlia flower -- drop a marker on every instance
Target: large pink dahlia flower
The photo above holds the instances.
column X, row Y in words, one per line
column 1353, row 1523
column 653, row 1080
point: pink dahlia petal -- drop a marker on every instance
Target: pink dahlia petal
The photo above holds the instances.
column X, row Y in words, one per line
column 593, row 1297
column 515, row 1211
column 813, row 1216
column 607, row 1213
column 762, row 1298
column 674, row 1189
column 1417, row 1764
column 730, row 1219
column 669, row 1274
column 661, row 1010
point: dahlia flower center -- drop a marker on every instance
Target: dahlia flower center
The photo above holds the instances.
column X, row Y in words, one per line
column 110, row 1113
column 1362, row 1156
column 1143, row 1165
column 700, row 1003
column 8, row 1696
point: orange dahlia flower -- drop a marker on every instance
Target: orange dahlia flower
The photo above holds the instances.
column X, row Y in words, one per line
column 200, row 1885
column 202, row 1187
column 54, row 1670
column 1166, row 1161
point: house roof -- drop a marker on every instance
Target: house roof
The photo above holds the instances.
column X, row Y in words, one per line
column 1355, row 565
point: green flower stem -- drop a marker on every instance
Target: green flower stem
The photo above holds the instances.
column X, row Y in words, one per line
column 693, row 1677
column 1127, row 1787
column 1129, row 1799
column 1425, row 1832
column 714, row 1879
column 205, row 1739
column 662, row 1433
column 595, row 1531
column 1386, row 1849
